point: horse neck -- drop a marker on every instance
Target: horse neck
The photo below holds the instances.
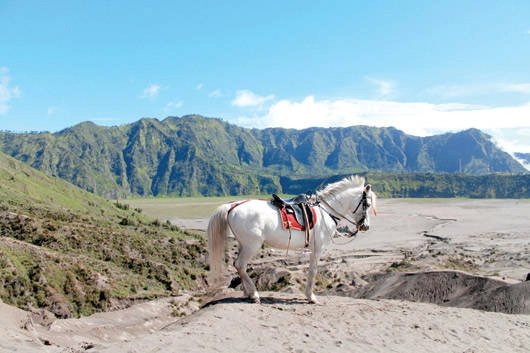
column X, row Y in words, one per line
column 342, row 202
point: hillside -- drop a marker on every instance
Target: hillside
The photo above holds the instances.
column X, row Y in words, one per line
column 74, row 253
column 194, row 155
column 427, row 185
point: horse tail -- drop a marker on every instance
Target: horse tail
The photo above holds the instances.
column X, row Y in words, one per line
column 217, row 230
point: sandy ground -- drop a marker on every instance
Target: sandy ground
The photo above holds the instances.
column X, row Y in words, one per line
column 484, row 238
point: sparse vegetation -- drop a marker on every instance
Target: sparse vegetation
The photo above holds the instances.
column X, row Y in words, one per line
column 74, row 253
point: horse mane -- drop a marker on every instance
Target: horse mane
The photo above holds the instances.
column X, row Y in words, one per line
column 351, row 182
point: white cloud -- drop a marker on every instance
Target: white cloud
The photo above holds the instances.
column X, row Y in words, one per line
column 515, row 87
column 215, row 94
column 384, row 88
column 52, row 111
column 199, row 86
column 172, row 107
column 512, row 145
column 246, row 98
column 525, row 132
column 446, row 107
column 455, row 91
column 515, row 139
column 420, row 118
column 7, row 93
column 151, row 91
column 310, row 112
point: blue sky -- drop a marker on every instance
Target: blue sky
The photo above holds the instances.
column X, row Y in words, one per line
column 424, row 67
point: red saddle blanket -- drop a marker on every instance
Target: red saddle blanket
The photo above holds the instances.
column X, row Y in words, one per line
column 289, row 220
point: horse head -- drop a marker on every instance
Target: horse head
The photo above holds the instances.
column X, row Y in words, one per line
column 337, row 199
column 361, row 211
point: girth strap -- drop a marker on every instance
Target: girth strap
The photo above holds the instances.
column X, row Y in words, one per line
column 306, row 222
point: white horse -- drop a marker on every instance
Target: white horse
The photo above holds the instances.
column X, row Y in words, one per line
column 253, row 222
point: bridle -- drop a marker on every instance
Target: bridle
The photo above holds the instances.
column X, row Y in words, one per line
column 363, row 202
column 365, row 205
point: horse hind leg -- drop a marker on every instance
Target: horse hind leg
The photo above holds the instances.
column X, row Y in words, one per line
column 245, row 254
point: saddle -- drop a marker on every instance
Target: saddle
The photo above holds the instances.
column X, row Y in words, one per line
column 296, row 213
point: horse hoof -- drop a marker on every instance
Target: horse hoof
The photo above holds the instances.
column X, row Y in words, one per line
column 313, row 300
column 255, row 298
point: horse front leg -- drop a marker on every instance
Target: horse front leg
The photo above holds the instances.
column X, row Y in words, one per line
column 313, row 269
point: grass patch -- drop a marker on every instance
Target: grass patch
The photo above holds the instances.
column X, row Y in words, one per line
column 72, row 253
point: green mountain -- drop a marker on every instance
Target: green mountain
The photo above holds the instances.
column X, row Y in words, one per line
column 74, row 253
column 194, row 155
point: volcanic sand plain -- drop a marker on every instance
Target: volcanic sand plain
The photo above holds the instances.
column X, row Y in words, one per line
column 412, row 283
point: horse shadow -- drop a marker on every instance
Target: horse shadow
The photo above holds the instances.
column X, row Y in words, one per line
column 266, row 300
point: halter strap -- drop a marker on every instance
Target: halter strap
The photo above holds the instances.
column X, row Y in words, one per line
column 362, row 201
column 340, row 215
column 337, row 215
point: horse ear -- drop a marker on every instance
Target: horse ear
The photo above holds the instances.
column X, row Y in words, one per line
column 367, row 189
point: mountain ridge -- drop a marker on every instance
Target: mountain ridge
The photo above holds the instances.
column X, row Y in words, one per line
column 194, row 155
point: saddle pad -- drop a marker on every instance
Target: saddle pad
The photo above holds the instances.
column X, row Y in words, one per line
column 289, row 220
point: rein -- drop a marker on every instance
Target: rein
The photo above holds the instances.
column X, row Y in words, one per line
column 341, row 216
